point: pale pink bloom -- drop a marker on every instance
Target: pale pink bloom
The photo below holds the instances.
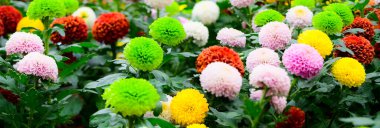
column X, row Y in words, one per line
column 38, row 64
column 262, row 56
column 231, row 37
column 24, row 43
column 275, row 35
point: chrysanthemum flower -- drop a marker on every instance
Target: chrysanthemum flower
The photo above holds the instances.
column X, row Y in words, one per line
column 308, row 3
column 87, row 14
column 275, row 35
column 278, row 103
column 9, row 96
column 144, row 53
column 2, row 31
column 75, row 30
column 27, row 22
column 197, row 126
column 24, row 43
column 343, row 10
column 197, row 31
column 365, row 24
column 71, row 5
column 231, row 37
column 267, row 16
column 262, row 56
column 318, row 40
column 39, row 65
column 166, row 113
column 109, row 27
column 256, row 95
column 241, row 3
column 295, row 119
column 299, row 16
column 39, row 9
column 348, row 72
column 302, row 60
column 364, row 52
column 219, row 54
column 168, row 31
column 206, row 12
column 159, row 4
column 328, row 22
column 131, row 97
column 10, row 17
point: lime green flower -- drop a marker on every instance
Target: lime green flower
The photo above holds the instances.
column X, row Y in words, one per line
column 267, row 16
column 39, row 9
column 168, row 31
column 308, row 3
column 328, row 22
column 343, row 11
column 71, row 5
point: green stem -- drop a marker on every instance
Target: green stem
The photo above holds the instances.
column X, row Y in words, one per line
column 45, row 38
column 113, row 49
column 131, row 122
column 158, row 13
column 262, row 104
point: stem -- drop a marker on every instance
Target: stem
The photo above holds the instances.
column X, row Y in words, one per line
column 113, row 49
column 131, row 122
column 158, row 13
column 262, row 105
column 45, row 21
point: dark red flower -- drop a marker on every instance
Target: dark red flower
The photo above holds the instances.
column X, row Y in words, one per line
column 362, row 48
column 10, row 17
column 363, row 23
column 75, row 30
column 296, row 119
column 9, row 96
column 71, row 57
column 1, row 28
column 109, row 27
column 377, row 50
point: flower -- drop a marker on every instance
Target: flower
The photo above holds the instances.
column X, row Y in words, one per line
column 328, row 22
column 267, row 16
column 166, row 113
column 39, row 9
column 197, row 31
column 278, row 103
column 206, row 12
column 75, row 30
column 189, row 107
column 197, row 126
column 109, row 27
column 275, row 35
column 24, row 43
column 159, row 4
column 10, row 17
column 39, row 65
column 348, row 72
column 27, row 22
column 308, row 3
column 231, row 37
column 318, row 40
column 219, row 54
column 168, row 31
column 343, row 10
column 1, row 28
column 71, row 5
column 364, row 52
column 241, row 3
column 262, row 56
column 87, row 14
column 295, row 119
column 363, row 23
column 9, row 96
column 256, row 95
column 71, row 57
column 221, row 79
column 299, row 16
column 144, row 53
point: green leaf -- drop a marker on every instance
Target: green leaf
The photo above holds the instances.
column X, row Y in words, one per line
column 157, row 111
column 106, row 80
column 59, row 28
column 354, row 30
column 160, row 122
column 105, row 118
column 161, row 76
column 88, row 45
column 72, row 107
column 75, row 48
column 358, row 121
column 74, row 66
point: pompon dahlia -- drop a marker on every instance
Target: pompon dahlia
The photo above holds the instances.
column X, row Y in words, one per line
column 197, row 126
column 318, row 40
column 159, row 4
column 10, row 17
column 131, row 97
column 299, row 16
column 71, row 5
column 9, row 96
column 2, row 31
column 364, row 52
column 295, row 119
column 87, row 14
column 256, row 95
column 24, row 43
column 109, row 27
column 365, row 24
column 278, row 103
column 206, row 12
column 328, row 22
column 75, row 30
column 197, row 31
column 231, row 37
column 308, row 3
column 262, row 56
column 348, row 72
column 38, row 64
column 275, row 35
column 189, row 107
column 39, row 9
column 267, row 16
column 144, row 53
column 241, row 3
column 219, row 54
column 343, row 10
column 27, row 22
column 168, row 31
column 302, row 60
column 221, row 80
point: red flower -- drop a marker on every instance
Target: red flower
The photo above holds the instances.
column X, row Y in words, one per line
column 10, row 17
column 362, row 48
column 9, row 96
column 109, row 27
column 71, row 57
column 75, row 30
column 296, row 119
column 1, row 28
column 363, row 23
column 377, row 50
column 219, row 54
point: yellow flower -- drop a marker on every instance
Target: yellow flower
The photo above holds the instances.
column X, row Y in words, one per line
column 271, row 1
column 349, row 72
column 26, row 22
column 318, row 40
column 197, row 126
column 188, row 107
column 166, row 113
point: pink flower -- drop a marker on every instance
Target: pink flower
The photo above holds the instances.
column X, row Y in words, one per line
column 256, row 95
column 231, row 37
column 24, row 43
column 275, row 35
column 262, row 56
column 183, row 20
column 278, row 103
column 241, row 3
column 38, row 64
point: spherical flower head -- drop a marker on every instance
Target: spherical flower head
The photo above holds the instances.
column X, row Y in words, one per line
column 299, row 16
column 197, row 126
column 109, row 27
column 318, row 40
column 2, row 31
column 168, row 31
column 189, row 107
column 159, row 4
column 10, row 17
column 39, row 65
column 262, row 56
column 241, row 3
column 365, row 24
column 75, row 30
column 275, row 35
column 343, row 10
column 308, row 3
column 278, row 103
column 219, row 54
column 39, row 9
column 231, row 37
column 24, row 43
column 348, row 72
column 302, row 60
column 71, row 5
column 364, row 52
column 197, row 31
column 256, row 95
column 27, row 22
column 328, row 22
column 9, row 96
column 87, row 14
column 221, row 80
column 267, row 16
column 295, row 119
column 206, row 12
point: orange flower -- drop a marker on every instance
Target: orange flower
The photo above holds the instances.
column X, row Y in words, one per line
column 75, row 30
column 10, row 17
column 296, row 119
column 363, row 23
column 1, row 28
column 362, row 48
column 109, row 27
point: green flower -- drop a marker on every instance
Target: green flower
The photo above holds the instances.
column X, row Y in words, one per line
column 39, row 9
column 308, row 3
column 71, row 5
column 144, row 53
column 267, row 16
column 328, row 22
column 343, row 11
column 168, row 31
column 131, row 96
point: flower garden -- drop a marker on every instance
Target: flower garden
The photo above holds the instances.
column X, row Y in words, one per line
column 190, row 63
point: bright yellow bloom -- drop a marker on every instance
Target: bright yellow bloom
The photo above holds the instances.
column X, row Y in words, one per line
column 188, row 107
column 349, row 72
column 197, row 126
column 318, row 40
column 26, row 22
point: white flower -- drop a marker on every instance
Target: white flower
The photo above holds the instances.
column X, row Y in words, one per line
column 231, row 37
column 197, row 31
column 87, row 14
column 159, row 4
column 262, row 56
column 299, row 16
column 241, row 3
column 206, row 12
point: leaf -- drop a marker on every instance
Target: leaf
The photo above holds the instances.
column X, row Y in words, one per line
column 106, row 80
column 105, row 118
column 354, row 30
column 72, row 107
column 74, row 66
column 358, row 121
column 75, row 48
column 345, row 49
column 157, row 111
column 185, row 54
column 161, row 76
column 88, row 45
column 226, row 118
column 160, row 122
column 372, row 75
column 59, row 28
